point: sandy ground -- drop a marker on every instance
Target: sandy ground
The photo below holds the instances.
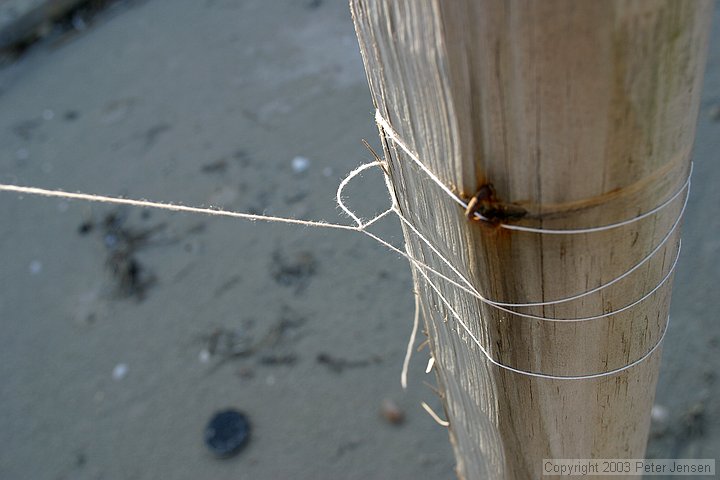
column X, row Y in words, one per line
column 123, row 330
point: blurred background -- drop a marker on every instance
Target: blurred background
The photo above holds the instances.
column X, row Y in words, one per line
column 123, row 330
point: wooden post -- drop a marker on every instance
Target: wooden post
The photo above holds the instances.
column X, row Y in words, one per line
column 582, row 113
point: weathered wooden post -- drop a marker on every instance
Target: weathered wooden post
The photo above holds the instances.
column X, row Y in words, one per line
column 583, row 114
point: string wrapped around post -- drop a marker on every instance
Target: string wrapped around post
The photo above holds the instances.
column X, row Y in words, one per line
column 423, row 269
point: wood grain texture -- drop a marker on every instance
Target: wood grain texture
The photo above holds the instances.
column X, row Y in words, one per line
column 584, row 113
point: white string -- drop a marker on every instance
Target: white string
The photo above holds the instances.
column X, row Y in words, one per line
column 411, row 344
column 168, row 206
column 440, row 421
column 537, row 374
column 686, row 187
column 343, row 184
column 499, row 306
column 487, row 355
column 565, row 299
column 390, row 133
column 362, row 226
column 395, row 137
column 430, row 364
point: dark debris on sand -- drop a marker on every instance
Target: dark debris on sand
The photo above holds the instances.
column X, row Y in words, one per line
column 122, row 242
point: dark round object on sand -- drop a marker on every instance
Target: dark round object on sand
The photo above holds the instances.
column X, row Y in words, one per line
column 227, row 432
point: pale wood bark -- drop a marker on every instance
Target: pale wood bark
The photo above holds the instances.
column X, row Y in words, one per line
column 584, row 113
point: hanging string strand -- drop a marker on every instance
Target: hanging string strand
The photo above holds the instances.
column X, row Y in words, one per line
column 411, row 343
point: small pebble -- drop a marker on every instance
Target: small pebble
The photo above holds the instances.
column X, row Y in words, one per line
column 659, row 414
column 85, row 227
column 391, row 412
column 227, row 432
column 35, row 267
column 204, row 356
column 300, row 164
column 120, row 371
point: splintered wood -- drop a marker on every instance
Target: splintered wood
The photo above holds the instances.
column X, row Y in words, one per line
column 580, row 114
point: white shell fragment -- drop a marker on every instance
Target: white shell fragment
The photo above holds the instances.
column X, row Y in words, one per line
column 659, row 414
column 300, row 164
column 35, row 267
column 204, row 356
column 120, row 371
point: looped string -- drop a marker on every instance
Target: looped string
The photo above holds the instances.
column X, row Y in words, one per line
column 423, row 269
column 392, row 135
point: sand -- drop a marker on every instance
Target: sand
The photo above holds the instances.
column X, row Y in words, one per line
column 124, row 330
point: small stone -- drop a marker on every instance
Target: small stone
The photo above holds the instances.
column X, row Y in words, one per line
column 204, row 356
column 120, row 371
column 659, row 414
column 85, row 227
column 227, row 432
column 35, row 267
column 300, row 164
column 391, row 412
